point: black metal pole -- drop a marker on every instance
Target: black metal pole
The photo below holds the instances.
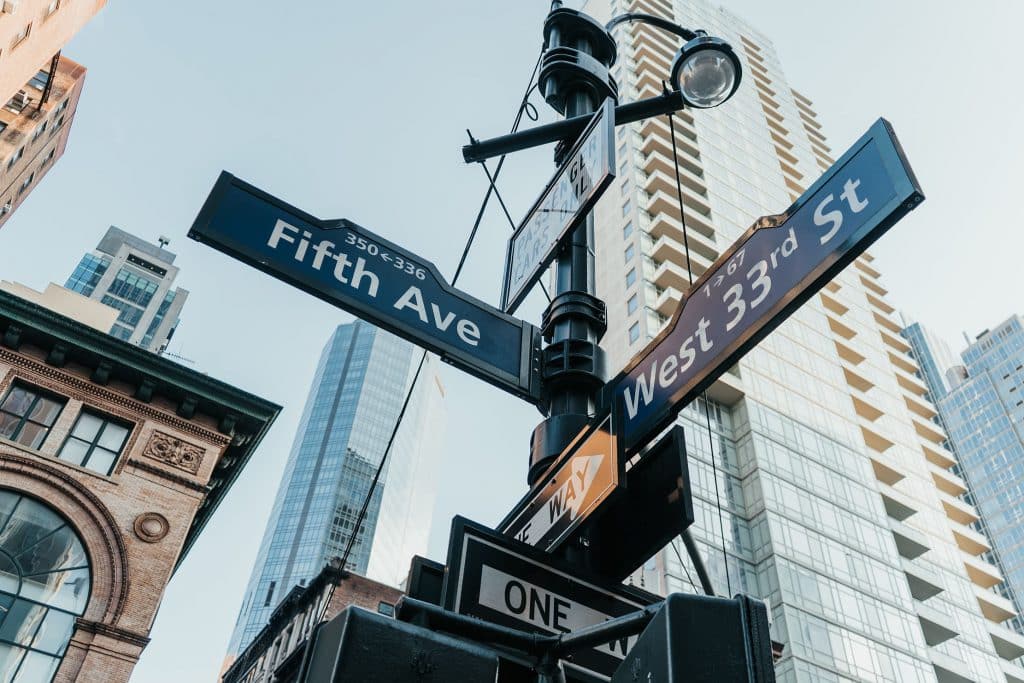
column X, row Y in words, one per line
column 574, row 322
column 698, row 562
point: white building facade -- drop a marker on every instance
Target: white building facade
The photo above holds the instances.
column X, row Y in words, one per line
column 838, row 506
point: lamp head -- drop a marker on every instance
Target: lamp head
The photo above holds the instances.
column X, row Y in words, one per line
column 706, row 71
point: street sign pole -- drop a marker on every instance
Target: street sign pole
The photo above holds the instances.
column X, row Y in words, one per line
column 574, row 80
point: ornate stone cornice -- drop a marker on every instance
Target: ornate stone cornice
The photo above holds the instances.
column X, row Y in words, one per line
column 61, row 381
column 170, row 476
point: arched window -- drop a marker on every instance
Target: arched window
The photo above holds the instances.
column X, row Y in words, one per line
column 44, row 585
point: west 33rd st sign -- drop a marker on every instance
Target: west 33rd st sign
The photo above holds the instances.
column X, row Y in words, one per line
column 768, row 273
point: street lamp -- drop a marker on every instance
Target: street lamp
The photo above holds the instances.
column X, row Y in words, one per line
column 705, row 71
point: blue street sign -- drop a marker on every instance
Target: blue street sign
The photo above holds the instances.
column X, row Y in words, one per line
column 768, row 273
column 354, row 269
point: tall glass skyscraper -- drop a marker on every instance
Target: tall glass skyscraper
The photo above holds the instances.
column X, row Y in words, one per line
column 135, row 277
column 837, row 504
column 933, row 358
column 983, row 412
column 356, row 396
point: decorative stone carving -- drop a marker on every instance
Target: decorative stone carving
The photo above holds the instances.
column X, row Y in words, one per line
column 151, row 526
column 174, row 452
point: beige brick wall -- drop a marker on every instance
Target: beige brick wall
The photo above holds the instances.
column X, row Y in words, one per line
column 118, row 517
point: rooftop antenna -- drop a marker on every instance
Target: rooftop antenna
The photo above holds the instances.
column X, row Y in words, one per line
column 163, row 240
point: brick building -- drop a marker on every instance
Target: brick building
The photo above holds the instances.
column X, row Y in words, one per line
column 39, row 90
column 112, row 460
column 276, row 653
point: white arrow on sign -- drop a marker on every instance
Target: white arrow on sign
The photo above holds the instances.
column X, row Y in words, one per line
column 570, row 496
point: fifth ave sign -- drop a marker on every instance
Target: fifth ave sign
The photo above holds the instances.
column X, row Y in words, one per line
column 767, row 274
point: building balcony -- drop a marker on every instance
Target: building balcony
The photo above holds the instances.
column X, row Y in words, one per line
column 654, row 52
column 894, row 341
column 668, row 302
column 949, row 669
column 898, row 505
column 936, row 626
column 663, row 202
column 911, row 383
column 655, row 7
column 981, row 572
column 645, row 33
column 958, row 510
column 947, row 482
column 1013, row 672
column 668, row 274
column 848, row 353
column 668, row 249
column 927, row 430
column 665, row 224
column 885, row 469
column 1008, row 643
column 910, row 542
column 903, row 362
column 862, row 264
column 995, row 607
column 924, row 583
column 656, row 162
column 658, row 135
column 874, row 286
column 650, row 75
column 922, row 408
column 727, row 389
column 969, row 540
column 937, row 455
column 662, row 182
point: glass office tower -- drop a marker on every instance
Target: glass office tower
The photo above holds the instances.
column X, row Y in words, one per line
column 933, row 358
column 837, row 504
column 355, row 399
column 984, row 416
column 135, row 277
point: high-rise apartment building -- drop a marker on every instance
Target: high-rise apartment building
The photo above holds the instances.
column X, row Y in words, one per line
column 983, row 413
column 837, row 503
column 353, row 404
column 135, row 277
column 39, row 90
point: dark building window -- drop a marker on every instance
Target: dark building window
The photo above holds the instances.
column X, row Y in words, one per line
column 40, row 80
column 95, row 442
column 26, row 415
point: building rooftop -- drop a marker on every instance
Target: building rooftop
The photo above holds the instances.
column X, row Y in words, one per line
column 116, row 236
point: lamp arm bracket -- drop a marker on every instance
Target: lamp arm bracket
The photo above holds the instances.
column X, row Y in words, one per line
column 660, row 22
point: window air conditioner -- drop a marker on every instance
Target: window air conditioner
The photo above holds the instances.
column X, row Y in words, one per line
column 21, row 99
column 6, row 208
column 8, row 6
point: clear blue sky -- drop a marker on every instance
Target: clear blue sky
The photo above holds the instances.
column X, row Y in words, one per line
column 359, row 110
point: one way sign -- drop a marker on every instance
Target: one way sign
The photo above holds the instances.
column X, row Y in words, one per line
column 584, row 476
